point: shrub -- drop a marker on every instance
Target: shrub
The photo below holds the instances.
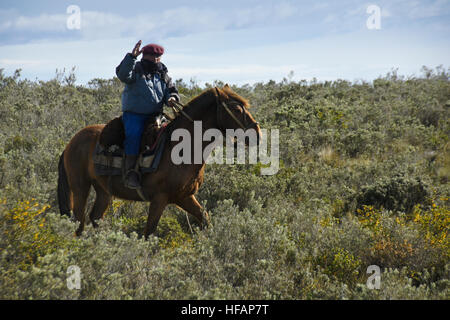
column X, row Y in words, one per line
column 397, row 193
column 25, row 232
column 363, row 180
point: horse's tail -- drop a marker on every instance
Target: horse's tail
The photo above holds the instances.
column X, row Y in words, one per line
column 63, row 188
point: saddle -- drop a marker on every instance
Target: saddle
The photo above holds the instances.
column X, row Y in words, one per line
column 109, row 151
column 114, row 132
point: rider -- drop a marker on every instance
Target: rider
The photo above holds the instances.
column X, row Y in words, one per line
column 147, row 87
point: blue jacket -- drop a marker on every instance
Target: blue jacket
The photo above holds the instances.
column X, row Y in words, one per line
column 144, row 93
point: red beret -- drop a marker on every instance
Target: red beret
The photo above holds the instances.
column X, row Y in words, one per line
column 153, row 49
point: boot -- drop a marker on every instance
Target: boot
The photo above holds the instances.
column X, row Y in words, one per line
column 131, row 176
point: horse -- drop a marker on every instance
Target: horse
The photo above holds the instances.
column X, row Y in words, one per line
column 219, row 108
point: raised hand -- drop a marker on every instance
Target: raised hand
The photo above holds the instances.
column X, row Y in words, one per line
column 136, row 50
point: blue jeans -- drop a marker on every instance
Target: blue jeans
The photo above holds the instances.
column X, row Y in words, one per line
column 134, row 127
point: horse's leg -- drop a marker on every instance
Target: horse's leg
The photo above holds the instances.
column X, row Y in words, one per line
column 157, row 206
column 80, row 195
column 191, row 205
column 102, row 200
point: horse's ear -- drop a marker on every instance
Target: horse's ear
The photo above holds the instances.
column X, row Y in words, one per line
column 226, row 86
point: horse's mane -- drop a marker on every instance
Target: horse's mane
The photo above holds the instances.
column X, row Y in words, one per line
column 226, row 94
column 234, row 96
column 202, row 97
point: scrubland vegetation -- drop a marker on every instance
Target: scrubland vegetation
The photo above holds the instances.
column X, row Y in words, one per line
column 363, row 180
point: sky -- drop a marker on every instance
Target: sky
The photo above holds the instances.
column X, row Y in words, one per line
column 236, row 42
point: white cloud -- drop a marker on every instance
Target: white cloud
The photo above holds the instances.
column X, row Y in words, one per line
column 43, row 22
column 237, row 73
column 235, row 46
column 360, row 55
column 429, row 9
column 177, row 21
column 414, row 10
column 263, row 14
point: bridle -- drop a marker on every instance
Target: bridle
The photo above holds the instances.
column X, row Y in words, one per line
column 244, row 126
column 178, row 108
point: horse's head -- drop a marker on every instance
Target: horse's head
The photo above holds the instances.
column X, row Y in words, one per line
column 233, row 113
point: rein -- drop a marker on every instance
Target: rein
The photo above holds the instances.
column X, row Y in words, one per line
column 178, row 108
column 227, row 109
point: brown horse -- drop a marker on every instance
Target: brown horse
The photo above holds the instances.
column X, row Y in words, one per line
column 170, row 184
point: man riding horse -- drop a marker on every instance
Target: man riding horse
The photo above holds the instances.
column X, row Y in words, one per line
column 147, row 88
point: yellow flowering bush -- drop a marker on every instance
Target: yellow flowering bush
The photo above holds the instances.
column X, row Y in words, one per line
column 24, row 227
column 430, row 222
column 370, row 218
column 171, row 234
column 341, row 264
column 434, row 222
column 387, row 249
column 117, row 205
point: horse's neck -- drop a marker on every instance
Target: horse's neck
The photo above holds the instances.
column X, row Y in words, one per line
column 201, row 109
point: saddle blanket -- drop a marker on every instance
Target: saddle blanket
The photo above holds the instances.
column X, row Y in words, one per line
column 109, row 161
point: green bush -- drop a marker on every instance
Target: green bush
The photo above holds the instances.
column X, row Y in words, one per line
column 363, row 181
column 397, row 193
